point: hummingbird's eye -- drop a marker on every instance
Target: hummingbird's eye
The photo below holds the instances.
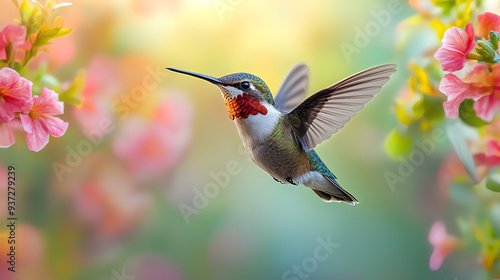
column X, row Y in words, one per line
column 245, row 85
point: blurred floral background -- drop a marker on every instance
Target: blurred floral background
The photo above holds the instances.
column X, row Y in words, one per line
column 124, row 170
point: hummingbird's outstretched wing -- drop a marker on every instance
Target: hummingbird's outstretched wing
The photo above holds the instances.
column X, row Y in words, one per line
column 293, row 89
column 325, row 112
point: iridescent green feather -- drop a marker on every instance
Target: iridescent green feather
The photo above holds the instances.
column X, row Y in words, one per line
column 317, row 164
column 278, row 136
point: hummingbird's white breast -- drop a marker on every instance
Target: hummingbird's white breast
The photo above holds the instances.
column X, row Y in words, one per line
column 256, row 129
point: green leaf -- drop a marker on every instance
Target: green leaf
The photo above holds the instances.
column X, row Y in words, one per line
column 397, row 145
column 17, row 66
column 447, row 5
column 25, row 11
column 41, row 43
column 468, row 115
column 493, row 183
column 433, row 108
column 63, row 32
column 36, row 19
column 48, row 34
column 51, row 32
column 457, row 139
column 50, row 81
column 418, row 109
column 72, row 94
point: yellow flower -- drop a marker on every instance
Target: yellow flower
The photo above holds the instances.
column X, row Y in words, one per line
column 406, row 103
column 440, row 27
column 421, row 81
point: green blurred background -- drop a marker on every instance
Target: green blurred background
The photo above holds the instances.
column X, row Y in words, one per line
column 101, row 222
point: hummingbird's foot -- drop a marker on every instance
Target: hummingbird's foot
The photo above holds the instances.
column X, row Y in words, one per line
column 277, row 180
column 289, row 179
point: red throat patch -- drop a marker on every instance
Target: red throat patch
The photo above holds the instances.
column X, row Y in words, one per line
column 243, row 105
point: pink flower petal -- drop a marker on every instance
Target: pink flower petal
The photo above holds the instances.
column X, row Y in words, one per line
column 482, row 159
column 48, row 103
column 451, row 60
column 38, row 138
column 480, row 85
column 443, row 244
column 56, row 126
column 39, row 121
column 492, row 158
column 454, row 89
column 457, row 39
column 15, row 92
column 493, row 148
column 437, row 258
column 9, row 107
column 485, row 107
column 437, row 234
column 6, row 137
column 457, row 43
column 15, row 34
column 471, row 43
column 27, row 107
column 487, row 22
column 27, row 123
column 487, row 161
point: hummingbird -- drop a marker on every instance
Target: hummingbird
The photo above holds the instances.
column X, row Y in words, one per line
column 279, row 134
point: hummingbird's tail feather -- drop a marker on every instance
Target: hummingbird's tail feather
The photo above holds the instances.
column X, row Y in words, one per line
column 328, row 189
column 339, row 197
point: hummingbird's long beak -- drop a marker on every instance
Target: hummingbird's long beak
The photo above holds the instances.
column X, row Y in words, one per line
column 201, row 76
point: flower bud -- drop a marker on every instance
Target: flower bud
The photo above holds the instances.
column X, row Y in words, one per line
column 485, row 49
column 494, row 37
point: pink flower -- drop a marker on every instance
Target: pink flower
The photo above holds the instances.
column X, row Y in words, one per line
column 152, row 148
column 15, row 92
column 16, row 35
column 110, row 203
column 6, row 137
column 102, row 84
column 39, row 122
column 488, row 160
column 487, row 22
column 443, row 244
column 480, row 84
column 457, row 43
